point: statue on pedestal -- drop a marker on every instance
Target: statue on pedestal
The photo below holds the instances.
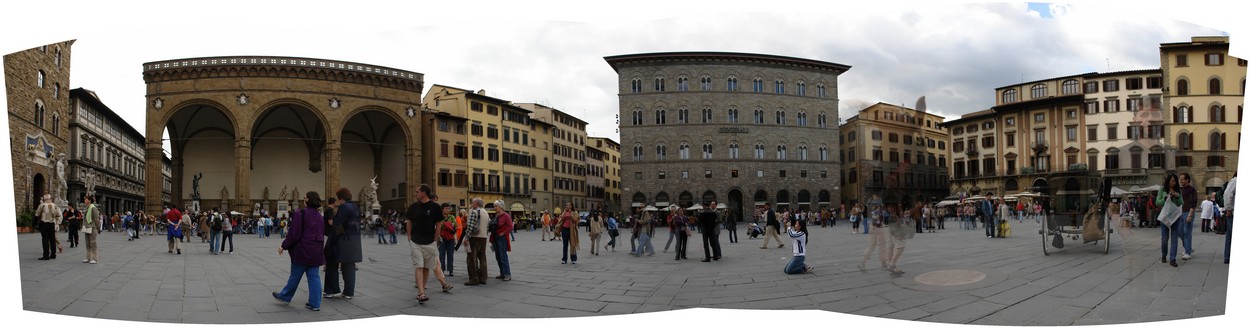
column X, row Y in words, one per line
column 282, row 195
column 373, row 189
column 265, row 194
column 195, row 186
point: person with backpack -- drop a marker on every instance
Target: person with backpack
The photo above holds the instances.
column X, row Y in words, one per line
column 214, row 228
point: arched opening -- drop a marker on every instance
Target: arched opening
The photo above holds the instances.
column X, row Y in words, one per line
column 823, row 199
column 805, row 200
column 38, row 187
column 734, row 205
column 199, row 137
column 761, row 197
column 374, row 145
column 1011, row 185
column 783, row 200
column 661, row 200
column 709, row 196
column 1041, row 186
column 685, row 199
column 288, row 142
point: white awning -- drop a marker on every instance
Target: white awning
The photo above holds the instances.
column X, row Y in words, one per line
column 947, row 203
column 661, row 204
column 636, row 205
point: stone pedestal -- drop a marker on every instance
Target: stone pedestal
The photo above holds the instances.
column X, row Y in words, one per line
column 194, row 206
column 375, row 210
column 284, row 208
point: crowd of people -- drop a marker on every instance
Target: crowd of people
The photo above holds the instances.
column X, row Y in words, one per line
column 325, row 236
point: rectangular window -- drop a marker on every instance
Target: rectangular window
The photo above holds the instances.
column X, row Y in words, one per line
column 1132, row 83
column 1092, row 133
column 661, row 175
column 1215, row 160
column 1215, row 59
column 781, row 173
column 1071, row 133
column 1133, row 104
column 685, row 174
column 707, row 174
column 1113, row 161
column 733, row 173
column 1011, row 139
column 1184, row 161
column 1182, row 60
column 759, row 174
column 1091, row 107
column 1111, row 132
column 1111, row 85
column 1111, row 106
column 1155, row 131
column 987, row 142
column 1011, row 121
column 1039, row 117
column 1156, row 161
column 1154, row 82
column 1091, row 87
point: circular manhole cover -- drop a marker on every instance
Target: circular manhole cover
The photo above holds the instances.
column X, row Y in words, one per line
column 950, row 277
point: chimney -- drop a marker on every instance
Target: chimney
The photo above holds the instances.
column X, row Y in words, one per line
column 481, row 92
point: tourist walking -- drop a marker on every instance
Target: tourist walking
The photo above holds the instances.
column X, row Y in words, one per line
column 671, row 234
column 227, row 233
column 798, row 234
column 681, row 228
column 772, row 226
column 547, row 225
column 613, row 231
column 423, row 227
column 91, row 228
column 645, row 230
column 500, row 240
column 215, row 226
column 899, row 232
column 708, row 221
column 446, row 238
column 477, row 233
column 173, row 225
column 307, row 256
column 346, row 225
column 1189, row 197
column 731, row 226
column 1170, row 217
column 567, row 223
column 877, row 217
column 74, row 218
column 596, row 231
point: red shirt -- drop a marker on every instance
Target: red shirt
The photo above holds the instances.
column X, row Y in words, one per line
column 173, row 215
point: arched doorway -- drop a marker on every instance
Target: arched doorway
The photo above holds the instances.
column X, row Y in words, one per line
column 734, row 204
column 709, row 196
column 200, row 137
column 1011, row 185
column 638, row 202
column 661, row 200
column 761, row 197
column 685, row 199
column 805, row 200
column 1041, row 186
column 783, row 200
column 38, row 187
column 822, row 199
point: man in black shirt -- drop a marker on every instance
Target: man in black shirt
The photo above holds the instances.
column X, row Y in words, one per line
column 423, row 217
column 711, row 233
column 772, row 226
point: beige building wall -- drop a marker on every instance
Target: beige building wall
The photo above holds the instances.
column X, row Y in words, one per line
column 894, row 152
column 568, row 159
column 1209, row 118
column 540, row 145
column 1125, row 126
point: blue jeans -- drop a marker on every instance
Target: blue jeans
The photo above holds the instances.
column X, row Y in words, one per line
column 501, row 255
column 314, row 283
column 644, row 244
column 260, row 231
column 1168, row 236
column 381, row 236
column 214, row 239
column 447, row 254
column 672, row 234
column 564, row 239
column 796, row 265
column 393, row 238
column 1187, row 236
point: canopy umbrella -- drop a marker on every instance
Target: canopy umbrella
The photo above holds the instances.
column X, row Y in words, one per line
column 721, row 206
column 1116, row 191
column 1147, row 189
column 650, row 208
column 695, row 207
column 948, row 203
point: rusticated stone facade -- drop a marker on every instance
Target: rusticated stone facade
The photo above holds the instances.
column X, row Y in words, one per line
column 36, row 82
column 739, row 128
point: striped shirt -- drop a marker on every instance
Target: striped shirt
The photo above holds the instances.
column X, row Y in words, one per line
column 800, row 242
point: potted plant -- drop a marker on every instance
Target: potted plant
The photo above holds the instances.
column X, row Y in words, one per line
column 25, row 221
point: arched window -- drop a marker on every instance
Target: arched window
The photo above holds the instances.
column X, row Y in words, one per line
column 705, row 83
column 1217, row 141
column 41, row 77
column 683, row 115
column 820, row 90
column 1185, row 141
column 731, row 84
column 803, row 152
column 733, row 115
column 733, row 150
column 39, row 113
column 802, row 118
column 637, row 116
column 683, row 83
column 1213, row 86
column 659, row 84
column 757, row 85
column 759, row 116
column 1071, row 87
column 683, row 151
column 637, row 152
column 1038, row 91
column 822, row 120
column 707, row 114
column 781, row 117
column 635, row 85
column 779, row 86
column 802, row 88
column 56, row 90
column 781, row 151
column 824, row 153
column 661, row 152
column 707, row 150
column 759, row 151
column 56, row 125
column 1010, row 96
column 660, row 116
column 1182, row 87
column 1217, row 114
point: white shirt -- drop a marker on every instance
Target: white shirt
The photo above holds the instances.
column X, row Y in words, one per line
column 800, row 241
column 1207, row 209
column 1229, row 192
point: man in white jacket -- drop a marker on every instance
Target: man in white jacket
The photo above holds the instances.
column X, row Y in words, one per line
column 1230, row 192
column 1208, row 211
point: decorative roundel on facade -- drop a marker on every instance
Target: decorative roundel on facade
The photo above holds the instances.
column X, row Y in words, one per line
column 334, row 102
column 411, row 111
column 158, row 103
column 242, row 99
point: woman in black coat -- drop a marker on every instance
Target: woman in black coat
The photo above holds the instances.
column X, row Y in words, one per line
column 345, row 229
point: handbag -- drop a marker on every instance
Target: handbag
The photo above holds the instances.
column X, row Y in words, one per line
column 1170, row 213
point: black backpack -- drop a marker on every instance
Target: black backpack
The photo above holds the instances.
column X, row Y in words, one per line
column 215, row 222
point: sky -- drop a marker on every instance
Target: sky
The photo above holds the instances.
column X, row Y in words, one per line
column 952, row 52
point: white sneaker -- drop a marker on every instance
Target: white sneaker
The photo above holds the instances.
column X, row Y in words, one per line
column 92, row 262
column 1185, row 256
column 85, row 261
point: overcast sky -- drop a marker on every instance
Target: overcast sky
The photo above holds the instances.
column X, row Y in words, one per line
column 541, row 51
column 954, row 53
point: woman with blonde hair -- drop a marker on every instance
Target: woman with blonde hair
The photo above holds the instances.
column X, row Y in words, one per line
column 568, row 233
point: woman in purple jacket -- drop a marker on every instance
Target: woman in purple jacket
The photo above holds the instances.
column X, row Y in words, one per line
column 305, row 243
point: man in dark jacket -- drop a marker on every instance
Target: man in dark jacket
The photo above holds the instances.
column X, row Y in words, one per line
column 772, row 226
column 987, row 212
column 330, row 252
column 711, row 233
column 346, row 238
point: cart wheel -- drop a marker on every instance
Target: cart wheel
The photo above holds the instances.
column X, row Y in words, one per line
column 1045, row 233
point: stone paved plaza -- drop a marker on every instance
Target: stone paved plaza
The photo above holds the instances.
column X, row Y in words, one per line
column 952, row 276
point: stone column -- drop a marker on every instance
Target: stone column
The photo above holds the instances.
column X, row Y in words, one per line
column 412, row 157
column 334, row 153
column 242, row 174
column 154, row 182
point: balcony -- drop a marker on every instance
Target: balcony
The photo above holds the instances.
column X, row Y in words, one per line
column 1040, row 146
column 972, row 151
